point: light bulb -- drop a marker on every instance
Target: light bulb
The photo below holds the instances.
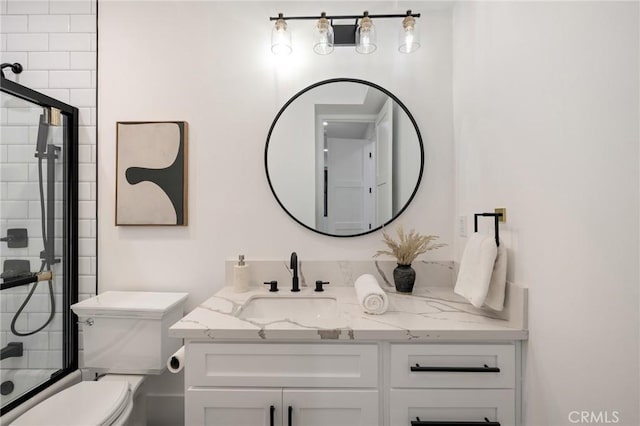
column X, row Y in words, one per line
column 323, row 36
column 366, row 35
column 280, row 38
column 409, row 40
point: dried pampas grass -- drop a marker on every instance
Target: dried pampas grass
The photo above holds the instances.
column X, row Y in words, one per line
column 409, row 246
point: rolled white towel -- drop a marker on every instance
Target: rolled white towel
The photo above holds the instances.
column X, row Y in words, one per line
column 370, row 296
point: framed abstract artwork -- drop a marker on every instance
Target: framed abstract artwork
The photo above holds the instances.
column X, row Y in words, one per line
column 151, row 173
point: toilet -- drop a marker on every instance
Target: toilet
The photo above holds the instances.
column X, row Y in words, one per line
column 125, row 339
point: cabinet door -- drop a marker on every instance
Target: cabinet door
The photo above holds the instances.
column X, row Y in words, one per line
column 330, row 407
column 233, row 407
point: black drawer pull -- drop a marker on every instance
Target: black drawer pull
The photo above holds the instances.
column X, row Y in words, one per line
column 272, row 411
column 485, row 369
column 290, row 417
column 486, row 422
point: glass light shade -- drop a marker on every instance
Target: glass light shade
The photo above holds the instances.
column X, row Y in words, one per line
column 323, row 37
column 281, row 39
column 366, row 36
column 409, row 40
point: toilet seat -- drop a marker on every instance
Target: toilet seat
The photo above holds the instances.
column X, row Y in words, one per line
column 86, row 403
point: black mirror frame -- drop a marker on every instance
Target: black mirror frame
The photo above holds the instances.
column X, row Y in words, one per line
column 345, row 80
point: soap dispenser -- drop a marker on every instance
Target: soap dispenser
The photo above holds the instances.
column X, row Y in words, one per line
column 240, row 275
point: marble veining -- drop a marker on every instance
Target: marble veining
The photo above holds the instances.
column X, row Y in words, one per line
column 430, row 313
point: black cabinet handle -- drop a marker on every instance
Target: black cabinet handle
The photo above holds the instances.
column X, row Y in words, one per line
column 484, row 369
column 486, row 422
column 290, row 416
column 272, row 411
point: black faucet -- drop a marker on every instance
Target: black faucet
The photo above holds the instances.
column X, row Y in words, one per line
column 294, row 268
column 12, row 349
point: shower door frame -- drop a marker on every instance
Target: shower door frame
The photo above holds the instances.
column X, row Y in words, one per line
column 70, row 232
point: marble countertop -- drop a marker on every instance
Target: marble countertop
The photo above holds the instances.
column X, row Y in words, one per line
column 429, row 314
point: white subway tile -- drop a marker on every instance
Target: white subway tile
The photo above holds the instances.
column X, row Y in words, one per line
column 83, row 23
column 48, row 23
column 33, row 79
column 83, row 97
column 14, row 135
column 86, row 284
column 69, row 42
column 18, row 362
column 55, row 340
column 84, row 265
column 45, row 359
column 94, row 116
column 3, row 116
column 48, row 60
column 37, row 320
column 94, row 264
column 83, row 60
column 35, row 213
column 84, row 156
column 20, row 153
column 87, row 135
column 84, row 231
column 70, row 79
column 84, row 118
column 37, row 304
column 86, row 209
column 3, row 42
column 5, row 324
column 22, row 191
column 38, row 341
column 32, row 7
column 87, row 246
column 86, row 173
column 69, row 7
column 93, row 45
column 16, row 173
column 13, row 23
column 23, row 116
column 27, row 42
column 59, row 94
column 12, row 57
column 14, row 209
column 94, row 229
column 34, row 228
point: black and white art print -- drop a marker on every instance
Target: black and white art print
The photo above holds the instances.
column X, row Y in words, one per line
column 151, row 173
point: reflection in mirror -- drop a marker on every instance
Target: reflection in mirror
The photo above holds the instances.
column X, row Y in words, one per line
column 344, row 157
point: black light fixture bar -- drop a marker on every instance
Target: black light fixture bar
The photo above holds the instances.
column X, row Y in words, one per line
column 330, row 17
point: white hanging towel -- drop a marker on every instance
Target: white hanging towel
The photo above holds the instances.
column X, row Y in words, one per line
column 476, row 268
column 495, row 296
column 371, row 297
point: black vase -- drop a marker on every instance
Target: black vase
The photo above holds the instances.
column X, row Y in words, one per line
column 404, row 276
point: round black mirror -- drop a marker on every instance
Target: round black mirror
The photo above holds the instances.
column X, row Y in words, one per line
column 344, row 157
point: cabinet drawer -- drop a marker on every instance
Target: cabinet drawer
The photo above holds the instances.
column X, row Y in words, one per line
column 452, row 406
column 452, row 366
column 281, row 365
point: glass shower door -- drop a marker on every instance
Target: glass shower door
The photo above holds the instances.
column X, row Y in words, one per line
column 38, row 200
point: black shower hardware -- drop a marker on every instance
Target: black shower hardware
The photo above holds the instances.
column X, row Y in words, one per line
column 486, row 422
column 13, row 349
column 15, row 268
column 273, row 285
column 293, row 264
column 496, row 217
column 319, row 284
column 7, row 388
column 16, row 68
column 31, row 277
column 16, row 238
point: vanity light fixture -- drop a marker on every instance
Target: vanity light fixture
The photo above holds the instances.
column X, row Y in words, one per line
column 323, row 36
column 361, row 34
column 280, row 37
column 409, row 38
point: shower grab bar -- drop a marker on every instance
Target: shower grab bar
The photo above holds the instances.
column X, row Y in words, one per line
column 496, row 218
column 31, row 278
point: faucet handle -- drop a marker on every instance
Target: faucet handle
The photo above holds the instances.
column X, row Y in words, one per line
column 319, row 285
column 273, row 284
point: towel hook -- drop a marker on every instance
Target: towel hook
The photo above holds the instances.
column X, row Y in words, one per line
column 496, row 217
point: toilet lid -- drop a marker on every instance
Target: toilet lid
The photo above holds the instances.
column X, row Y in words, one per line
column 86, row 403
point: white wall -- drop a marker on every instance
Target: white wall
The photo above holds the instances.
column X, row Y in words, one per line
column 209, row 63
column 546, row 125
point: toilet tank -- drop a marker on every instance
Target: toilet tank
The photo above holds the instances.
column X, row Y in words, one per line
column 127, row 331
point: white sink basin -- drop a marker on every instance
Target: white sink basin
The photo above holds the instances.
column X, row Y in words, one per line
column 292, row 308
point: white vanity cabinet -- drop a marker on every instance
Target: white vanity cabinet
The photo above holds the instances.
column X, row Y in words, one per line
column 452, row 384
column 281, row 384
